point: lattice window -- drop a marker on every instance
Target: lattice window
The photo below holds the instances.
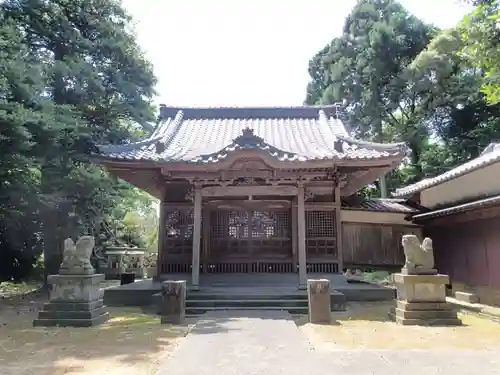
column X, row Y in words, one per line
column 270, row 224
column 179, row 224
column 320, row 224
column 238, row 224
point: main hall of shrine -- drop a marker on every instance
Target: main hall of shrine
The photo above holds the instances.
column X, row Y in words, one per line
column 264, row 190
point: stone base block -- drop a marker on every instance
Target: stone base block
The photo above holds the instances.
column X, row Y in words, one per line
column 424, row 314
column 467, row 297
column 421, row 288
column 72, row 314
column 318, row 296
column 78, row 288
column 437, row 322
column 79, row 323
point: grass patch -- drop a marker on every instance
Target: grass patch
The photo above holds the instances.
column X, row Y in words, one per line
column 9, row 289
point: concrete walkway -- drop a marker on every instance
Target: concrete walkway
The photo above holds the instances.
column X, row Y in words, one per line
column 269, row 343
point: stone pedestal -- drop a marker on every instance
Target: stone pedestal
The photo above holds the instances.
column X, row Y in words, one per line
column 421, row 300
column 318, row 297
column 173, row 302
column 75, row 301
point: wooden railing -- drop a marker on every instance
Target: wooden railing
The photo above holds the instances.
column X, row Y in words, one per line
column 255, row 267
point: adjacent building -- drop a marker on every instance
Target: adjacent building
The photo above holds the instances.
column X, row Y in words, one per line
column 462, row 216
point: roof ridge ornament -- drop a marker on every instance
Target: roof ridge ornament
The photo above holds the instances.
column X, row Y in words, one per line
column 248, row 138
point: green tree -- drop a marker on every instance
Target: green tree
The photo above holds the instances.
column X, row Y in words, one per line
column 92, row 66
column 366, row 69
column 480, row 30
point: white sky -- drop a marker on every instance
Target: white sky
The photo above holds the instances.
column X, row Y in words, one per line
column 247, row 53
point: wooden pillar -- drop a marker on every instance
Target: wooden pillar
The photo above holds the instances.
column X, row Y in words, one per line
column 195, row 276
column 161, row 238
column 294, row 234
column 338, row 228
column 205, row 223
column 301, row 238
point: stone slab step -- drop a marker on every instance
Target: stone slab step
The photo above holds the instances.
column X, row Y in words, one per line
column 68, row 314
column 426, row 322
column 246, row 302
column 202, row 310
column 423, row 306
column 71, row 322
column 425, row 314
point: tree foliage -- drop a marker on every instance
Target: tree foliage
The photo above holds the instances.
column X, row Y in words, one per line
column 403, row 80
column 71, row 76
column 481, row 35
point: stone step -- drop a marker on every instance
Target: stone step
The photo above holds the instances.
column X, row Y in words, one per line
column 425, row 314
column 423, row 306
column 426, row 322
column 71, row 314
column 194, row 311
column 232, row 296
column 246, row 303
column 48, row 322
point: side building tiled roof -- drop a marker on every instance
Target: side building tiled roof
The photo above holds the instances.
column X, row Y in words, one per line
column 382, row 205
column 463, row 207
column 206, row 135
column 489, row 156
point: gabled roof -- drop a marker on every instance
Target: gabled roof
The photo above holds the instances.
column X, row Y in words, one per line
column 207, row 135
column 489, row 156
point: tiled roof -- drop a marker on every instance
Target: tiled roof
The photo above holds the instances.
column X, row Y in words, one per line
column 381, row 205
column 458, row 208
column 204, row 135
column 490, row 155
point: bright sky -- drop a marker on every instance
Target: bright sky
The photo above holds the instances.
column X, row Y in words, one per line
column 247, row 53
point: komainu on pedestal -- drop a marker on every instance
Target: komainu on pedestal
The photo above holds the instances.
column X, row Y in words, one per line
column 76, row 296
column 421, row 290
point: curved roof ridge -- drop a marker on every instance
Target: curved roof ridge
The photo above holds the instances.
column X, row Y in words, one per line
column 489, row 156
column 247, row 140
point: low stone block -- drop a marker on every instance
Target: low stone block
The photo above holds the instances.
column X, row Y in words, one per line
column 318, row 296
column 173, row 302
column 467, row 297
column 78, row 288
column 75, row 301
column 423, row 306
column 421, row 300
column 421, row 288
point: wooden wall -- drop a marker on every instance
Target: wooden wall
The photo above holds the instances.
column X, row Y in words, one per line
column 468, row 251
column 375, row 245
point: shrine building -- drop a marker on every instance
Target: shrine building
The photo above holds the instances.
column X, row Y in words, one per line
column 264, row 190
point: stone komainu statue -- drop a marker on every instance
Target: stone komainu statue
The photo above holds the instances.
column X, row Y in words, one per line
column 419, row 256
column 77, row 256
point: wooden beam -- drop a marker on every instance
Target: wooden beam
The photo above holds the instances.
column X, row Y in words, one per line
column 294, row 234
column 338, row 227
column 161, row 237
column 195, row 277
column 301, row 238
column 233, row 191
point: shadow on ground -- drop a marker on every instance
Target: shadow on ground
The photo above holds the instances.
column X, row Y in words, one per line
column 130, row 343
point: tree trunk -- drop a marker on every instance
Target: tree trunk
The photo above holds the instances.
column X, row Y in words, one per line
column 379, row 137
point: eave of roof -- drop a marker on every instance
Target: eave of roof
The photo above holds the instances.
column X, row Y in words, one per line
column 208, row 135
column 480, row 203
column 391, row 205
column 489, row 156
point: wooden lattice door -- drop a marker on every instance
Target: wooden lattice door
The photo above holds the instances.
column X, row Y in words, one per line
column 251, row 240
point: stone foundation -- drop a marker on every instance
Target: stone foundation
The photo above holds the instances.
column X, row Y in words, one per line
column 173, row 302
column 75, row 301
column 421, row 300
column 318, row 296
